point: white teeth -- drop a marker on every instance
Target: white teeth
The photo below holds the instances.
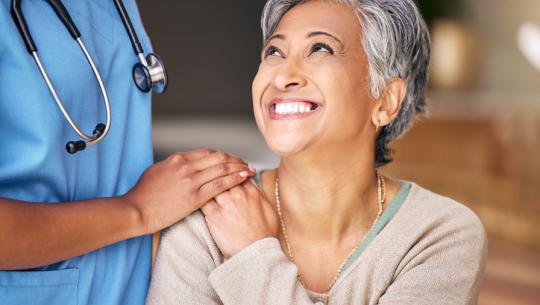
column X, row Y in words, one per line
column 292, row 108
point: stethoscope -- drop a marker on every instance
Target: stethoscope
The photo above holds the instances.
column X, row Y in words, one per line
column 149, row 73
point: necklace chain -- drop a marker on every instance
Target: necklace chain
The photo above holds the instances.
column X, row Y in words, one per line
column 381, row 197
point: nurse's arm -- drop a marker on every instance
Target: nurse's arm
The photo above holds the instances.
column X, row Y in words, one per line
column 37, row 234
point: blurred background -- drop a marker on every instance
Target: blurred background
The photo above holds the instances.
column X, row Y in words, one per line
column 480, row 143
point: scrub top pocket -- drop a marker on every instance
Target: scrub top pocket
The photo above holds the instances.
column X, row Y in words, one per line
column 57, row 287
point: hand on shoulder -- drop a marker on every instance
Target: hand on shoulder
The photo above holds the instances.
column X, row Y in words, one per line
column 239, row 217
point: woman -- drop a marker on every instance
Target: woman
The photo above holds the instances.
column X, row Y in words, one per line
column 338, row 81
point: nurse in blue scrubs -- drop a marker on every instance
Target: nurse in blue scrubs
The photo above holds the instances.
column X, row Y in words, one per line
column 76, row 228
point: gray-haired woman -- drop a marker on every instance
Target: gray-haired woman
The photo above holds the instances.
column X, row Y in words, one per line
column 338, row 81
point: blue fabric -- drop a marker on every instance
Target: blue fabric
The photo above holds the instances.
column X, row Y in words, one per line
column 34, row 165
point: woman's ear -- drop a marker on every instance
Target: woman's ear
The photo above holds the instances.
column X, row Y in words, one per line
column 389, row 103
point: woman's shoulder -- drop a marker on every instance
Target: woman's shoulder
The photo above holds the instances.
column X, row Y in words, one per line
column 430, row 242
column 194, row 223
column 426, row 218
column 430, row 216
column 186, row 256
column 435, row 207
column 191, row 232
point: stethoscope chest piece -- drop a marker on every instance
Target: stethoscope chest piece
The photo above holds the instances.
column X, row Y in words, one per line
column 150, row 74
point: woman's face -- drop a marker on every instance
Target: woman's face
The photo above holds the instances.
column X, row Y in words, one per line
column 311, row 90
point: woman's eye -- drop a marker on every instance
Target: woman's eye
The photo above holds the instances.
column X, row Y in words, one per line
column 271, row 51
column 321, row 47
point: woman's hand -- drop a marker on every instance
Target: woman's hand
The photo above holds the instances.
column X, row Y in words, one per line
column 239, row 217
column 171, row 189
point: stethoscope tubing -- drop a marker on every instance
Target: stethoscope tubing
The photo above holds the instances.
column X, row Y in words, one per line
column 32, row 49
column 91, row 140
column 153, row 71
column 135, row 43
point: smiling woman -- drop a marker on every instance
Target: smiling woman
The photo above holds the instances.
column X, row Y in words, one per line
column 338, row 81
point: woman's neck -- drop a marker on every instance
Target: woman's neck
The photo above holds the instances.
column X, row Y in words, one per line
column 327, row 202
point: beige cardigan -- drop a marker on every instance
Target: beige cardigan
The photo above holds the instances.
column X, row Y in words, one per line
column 432, row 251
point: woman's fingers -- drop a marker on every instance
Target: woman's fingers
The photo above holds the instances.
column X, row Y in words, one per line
column 239, row 217
column 210, row 208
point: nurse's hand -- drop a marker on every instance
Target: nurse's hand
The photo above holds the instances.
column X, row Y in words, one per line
column 239, row 217
column 171, row 189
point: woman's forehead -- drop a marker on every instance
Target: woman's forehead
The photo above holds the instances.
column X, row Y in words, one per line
column 319, row 15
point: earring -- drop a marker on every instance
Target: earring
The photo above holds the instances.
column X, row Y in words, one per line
column 377, row 126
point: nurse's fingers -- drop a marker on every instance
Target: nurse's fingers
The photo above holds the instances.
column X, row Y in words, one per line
column 196, row 154
column 217, row 186
column 220, row 170
column 191, row 155
column 214, row 159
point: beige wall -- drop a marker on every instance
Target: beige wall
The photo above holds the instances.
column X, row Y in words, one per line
column 505, row 70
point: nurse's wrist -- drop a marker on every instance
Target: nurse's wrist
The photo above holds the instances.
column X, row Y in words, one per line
column 136, row 219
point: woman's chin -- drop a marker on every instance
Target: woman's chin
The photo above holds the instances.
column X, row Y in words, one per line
column 286, row 147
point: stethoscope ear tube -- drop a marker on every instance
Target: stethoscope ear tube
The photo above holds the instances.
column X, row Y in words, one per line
column 20, row 22
column 63, row 14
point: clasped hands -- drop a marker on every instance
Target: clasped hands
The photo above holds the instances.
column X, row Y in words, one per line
column 239, row 217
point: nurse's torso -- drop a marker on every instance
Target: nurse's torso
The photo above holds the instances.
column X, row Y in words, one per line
column 34, row 165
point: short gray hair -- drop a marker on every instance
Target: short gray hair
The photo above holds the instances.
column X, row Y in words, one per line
column 397, row 45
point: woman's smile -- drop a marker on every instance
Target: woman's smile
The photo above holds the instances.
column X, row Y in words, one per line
column 292, row 108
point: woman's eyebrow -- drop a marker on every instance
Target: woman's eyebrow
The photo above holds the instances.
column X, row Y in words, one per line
column 312, row 34
column 275, row 36
column 319, row 33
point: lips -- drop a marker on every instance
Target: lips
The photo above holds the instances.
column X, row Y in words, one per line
column 288, row 108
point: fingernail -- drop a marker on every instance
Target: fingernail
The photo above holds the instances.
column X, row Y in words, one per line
column 244, row 174
column 253, row 169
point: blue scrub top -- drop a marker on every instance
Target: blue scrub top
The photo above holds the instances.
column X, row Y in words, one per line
column 34, row 165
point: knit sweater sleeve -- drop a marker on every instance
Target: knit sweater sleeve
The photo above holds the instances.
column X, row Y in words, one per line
column 260, row 274
column 186, row 256
column 190, row 269
column 444, row 264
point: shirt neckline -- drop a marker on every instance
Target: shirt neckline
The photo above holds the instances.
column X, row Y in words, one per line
column 387, row 215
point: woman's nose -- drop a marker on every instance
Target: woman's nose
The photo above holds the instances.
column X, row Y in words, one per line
column 289, row 76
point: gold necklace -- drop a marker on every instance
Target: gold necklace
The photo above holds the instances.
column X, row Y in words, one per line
column 381, row 197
